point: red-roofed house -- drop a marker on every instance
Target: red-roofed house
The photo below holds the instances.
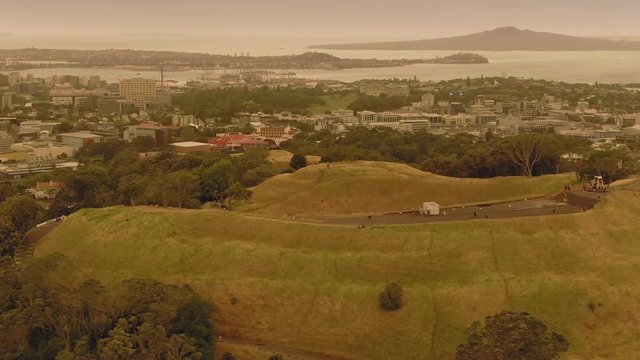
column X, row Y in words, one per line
column 46, row 189
column 235, row 141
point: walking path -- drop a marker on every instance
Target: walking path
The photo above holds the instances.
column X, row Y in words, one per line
column 566, row 202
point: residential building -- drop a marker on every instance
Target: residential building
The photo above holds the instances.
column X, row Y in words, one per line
column 273, row 132
column 387, row 117
column 413, row 125
column 365, row 117
column 6, row 141
column 138, row 89
column 236, row 141
column 94, row 82
column 85, row 99
column 6, row 101
column 46, row 189
column 185, row 120
column 14, row 78
column 459, row 120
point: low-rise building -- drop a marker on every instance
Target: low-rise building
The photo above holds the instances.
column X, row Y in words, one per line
column 79, row 139
column 236, row 142
column 190, row 147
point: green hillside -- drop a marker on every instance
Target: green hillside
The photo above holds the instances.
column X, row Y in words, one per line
column 377, row 187
column 315, row 287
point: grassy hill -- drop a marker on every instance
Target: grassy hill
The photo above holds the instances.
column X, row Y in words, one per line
column 315, row 287
column 377, row 187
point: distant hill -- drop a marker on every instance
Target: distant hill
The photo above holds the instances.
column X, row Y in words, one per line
column 500, row 39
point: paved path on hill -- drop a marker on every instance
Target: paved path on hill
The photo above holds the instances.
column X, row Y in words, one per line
column 24, row 250
column 564, row 203
column 276, row 349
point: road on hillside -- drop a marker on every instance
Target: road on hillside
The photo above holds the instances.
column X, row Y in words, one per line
column 567, row 202
column 276, row 349
column 24, row 250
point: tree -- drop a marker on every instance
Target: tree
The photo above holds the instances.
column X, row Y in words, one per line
column 236, row 194
column 514, row 336
column 22, row 211
column 144, row 143
column 193, row 320
column 391, row 297
column 298, row 162
column 216, row 180
column 120, row 345
column 525, row 151
column 179, row 187
column 131, row 186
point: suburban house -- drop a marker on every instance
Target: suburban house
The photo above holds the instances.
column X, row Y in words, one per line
column 46, row 189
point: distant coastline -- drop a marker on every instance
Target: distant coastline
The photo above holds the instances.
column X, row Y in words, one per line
column 38, row 58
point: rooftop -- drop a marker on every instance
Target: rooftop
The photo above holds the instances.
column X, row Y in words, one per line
column 186, row 144
column 83, row 135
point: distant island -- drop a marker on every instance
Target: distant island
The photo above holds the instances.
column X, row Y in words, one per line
column 144, row 60
column 501, row 39
column 460, row 58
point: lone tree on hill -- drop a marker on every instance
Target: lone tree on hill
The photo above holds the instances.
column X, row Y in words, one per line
column 298, row 161
column 513, row 336
column 391, row 297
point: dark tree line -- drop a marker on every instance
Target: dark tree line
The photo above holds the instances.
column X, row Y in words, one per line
column 464, row 155
column 228, row 102
column 115, row 174
column 139, row 319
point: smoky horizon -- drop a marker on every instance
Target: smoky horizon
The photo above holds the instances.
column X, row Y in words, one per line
column 306, row 19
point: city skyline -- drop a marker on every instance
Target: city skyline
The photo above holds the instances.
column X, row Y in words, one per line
column 403, row 19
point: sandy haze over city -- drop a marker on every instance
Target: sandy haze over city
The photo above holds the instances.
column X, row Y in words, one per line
column 388, row 19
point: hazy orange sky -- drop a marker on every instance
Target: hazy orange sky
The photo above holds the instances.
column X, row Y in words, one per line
column 318, row 18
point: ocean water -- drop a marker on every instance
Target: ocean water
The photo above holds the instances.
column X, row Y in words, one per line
column 583, row 67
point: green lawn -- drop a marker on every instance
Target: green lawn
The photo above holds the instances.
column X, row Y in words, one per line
column 333, row 102
column 315, row 287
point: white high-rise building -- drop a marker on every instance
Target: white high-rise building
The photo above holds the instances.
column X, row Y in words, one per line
column 138, row 89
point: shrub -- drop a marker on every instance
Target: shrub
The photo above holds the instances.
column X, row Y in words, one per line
column 510, row 335
column 298, row 161
column 228, row 356
column 391, row 297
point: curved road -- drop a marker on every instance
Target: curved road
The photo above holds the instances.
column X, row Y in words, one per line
column 24, row 250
